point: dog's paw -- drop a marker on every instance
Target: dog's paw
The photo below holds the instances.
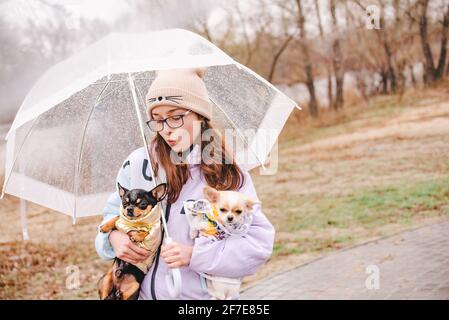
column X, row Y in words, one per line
column 103, row 229
column 137, row 237
column 203, row 225
column 193, row 234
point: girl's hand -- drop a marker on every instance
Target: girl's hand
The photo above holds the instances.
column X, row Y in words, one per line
column 125, row 249
column 176, row 255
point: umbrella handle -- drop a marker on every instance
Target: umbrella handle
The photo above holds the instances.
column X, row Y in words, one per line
column 173, row 281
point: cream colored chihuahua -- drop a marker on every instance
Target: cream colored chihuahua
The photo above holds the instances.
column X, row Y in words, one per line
column 232, row 212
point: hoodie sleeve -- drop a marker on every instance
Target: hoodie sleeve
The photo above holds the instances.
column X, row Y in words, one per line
column 237, row 256
column 102, row 243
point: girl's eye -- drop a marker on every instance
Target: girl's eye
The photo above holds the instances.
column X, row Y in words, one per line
column 176, row 118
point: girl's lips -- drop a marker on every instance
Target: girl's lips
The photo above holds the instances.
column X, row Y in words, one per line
column 172, row 142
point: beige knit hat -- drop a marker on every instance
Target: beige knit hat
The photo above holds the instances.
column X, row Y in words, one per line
column 181, row 88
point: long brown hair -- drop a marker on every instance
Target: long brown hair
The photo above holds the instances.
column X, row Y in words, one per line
column 224, row 175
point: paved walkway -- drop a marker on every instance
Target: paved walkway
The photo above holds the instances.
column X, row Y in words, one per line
column 410, row 265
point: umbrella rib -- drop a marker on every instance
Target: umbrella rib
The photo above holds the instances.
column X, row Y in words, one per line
column 238, row 131
column 78, row 167
column 17, row 156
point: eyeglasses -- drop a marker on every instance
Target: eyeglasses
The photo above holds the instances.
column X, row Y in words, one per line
column 173, row 122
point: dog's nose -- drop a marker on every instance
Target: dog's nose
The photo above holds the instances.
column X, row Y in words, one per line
column 130, row 213
column 230, row 218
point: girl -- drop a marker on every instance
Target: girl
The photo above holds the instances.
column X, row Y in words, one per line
column 179, row 111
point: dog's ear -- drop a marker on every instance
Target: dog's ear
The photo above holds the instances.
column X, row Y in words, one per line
column 211, row 194
column 249, row 203
column 121, row 190
column 159, row 192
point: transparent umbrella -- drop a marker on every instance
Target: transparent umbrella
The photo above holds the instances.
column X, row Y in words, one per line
column 86, row 114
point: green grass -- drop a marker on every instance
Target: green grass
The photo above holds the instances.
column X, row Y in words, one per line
column 280, row 249
column 369, row 208
column 310, row 244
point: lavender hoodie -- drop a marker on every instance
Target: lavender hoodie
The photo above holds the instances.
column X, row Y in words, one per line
column 236, row 257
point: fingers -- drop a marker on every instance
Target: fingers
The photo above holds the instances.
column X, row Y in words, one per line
column 125, row 255
column 141, row 252
column 129, row 259
column 171, row 252
column 132, row 253
column 171, row 259
column 174, row 252
column 167, row 246
column 126, row 250
column 176, row 264
column 173, row 255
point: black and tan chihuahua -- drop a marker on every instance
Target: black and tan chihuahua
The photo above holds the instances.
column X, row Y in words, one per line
column 142, row 225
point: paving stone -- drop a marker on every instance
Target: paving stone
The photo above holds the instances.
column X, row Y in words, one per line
column 411, row 265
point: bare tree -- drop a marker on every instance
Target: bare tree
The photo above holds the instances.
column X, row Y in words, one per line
column 224, row 40
column 328, row 68
column 313, row 103
column 283, row 41
column 432, row 72
column 337, row 60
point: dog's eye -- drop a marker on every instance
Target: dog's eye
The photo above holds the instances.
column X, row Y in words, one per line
column 223, row 210
column 238, row 211
column 143, row 205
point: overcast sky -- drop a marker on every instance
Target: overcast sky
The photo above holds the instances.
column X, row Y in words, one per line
column 17, row 10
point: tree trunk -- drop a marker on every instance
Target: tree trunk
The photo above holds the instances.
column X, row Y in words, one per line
column 337, row 62
column 412, row 75
column 433, row 73
column 313, row 104
column 330, row 95
column 328, row 68
column 391, row 71
column 384, row 76
column 277, row 56
column 383, row 39
column 439, row 72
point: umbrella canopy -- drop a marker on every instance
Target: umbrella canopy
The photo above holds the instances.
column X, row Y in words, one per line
column 82, row 118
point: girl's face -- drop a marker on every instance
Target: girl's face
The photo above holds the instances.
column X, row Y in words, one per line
column 187, row 126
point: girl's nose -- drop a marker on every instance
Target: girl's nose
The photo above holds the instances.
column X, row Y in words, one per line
column 167, row 130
